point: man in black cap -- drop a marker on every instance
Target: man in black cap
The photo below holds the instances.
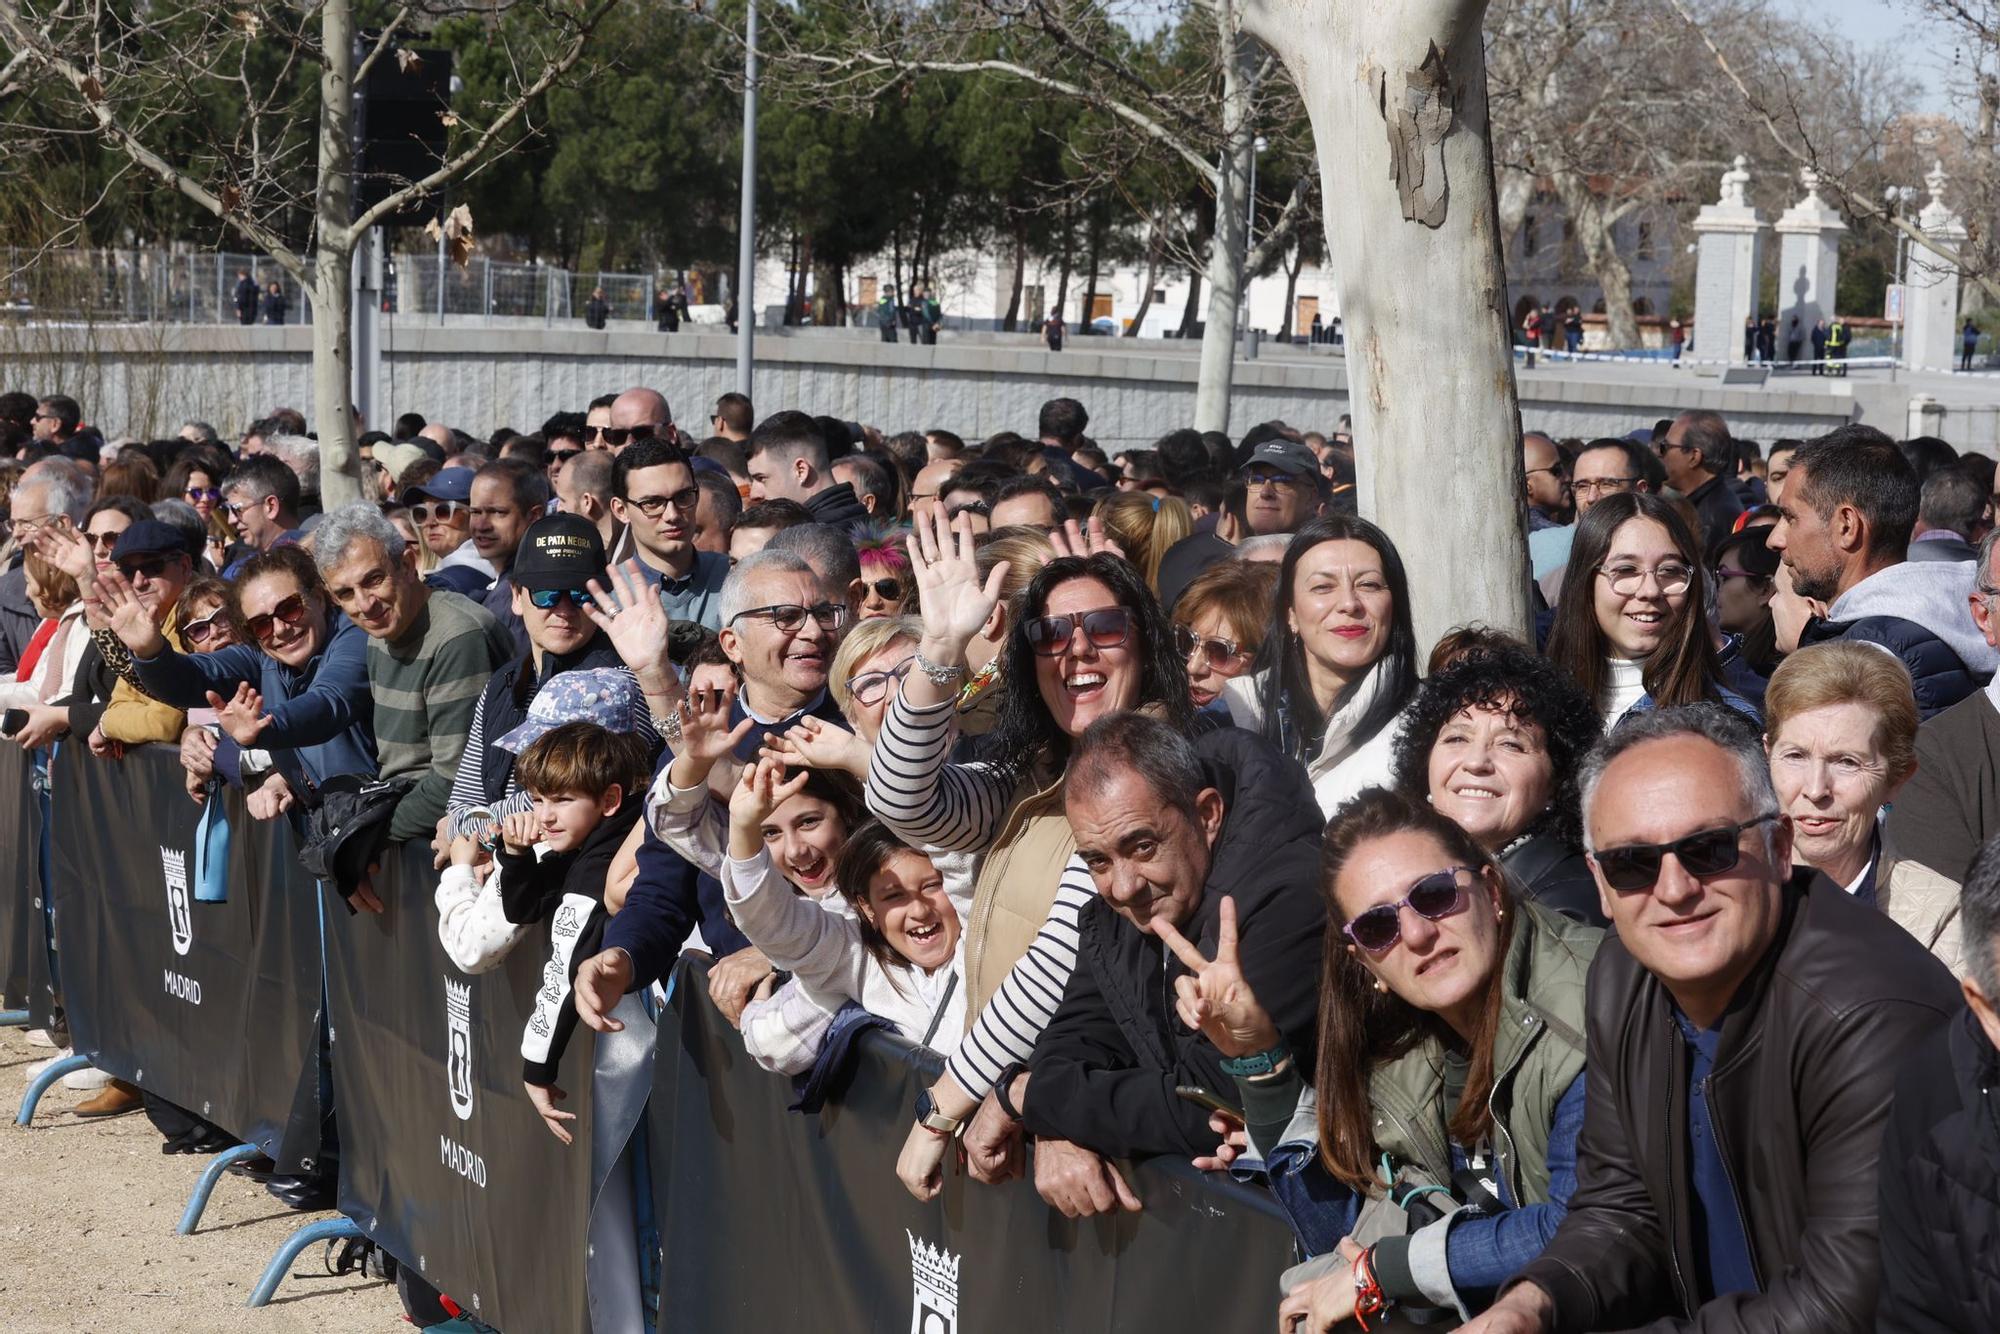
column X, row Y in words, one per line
column 1281, row 484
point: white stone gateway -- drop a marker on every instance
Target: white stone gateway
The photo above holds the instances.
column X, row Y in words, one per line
column 1727, row 265
column 1808, row 265
column 1930, row 285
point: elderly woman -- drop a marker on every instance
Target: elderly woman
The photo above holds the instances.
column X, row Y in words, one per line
column 1841, row 731
column 1494, row 741
column 1339, row 663
column 1219, row 623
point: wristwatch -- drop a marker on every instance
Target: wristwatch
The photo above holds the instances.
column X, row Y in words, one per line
column 1250, row 1067
column 930, row 1118
column 1003, row 1090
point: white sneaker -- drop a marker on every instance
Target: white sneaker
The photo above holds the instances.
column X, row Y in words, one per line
column 86, row 1079
column 39, row 1037
column 34, row 1070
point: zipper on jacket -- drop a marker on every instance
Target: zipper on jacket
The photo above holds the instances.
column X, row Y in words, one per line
column 1504, row 1145
column 1735, row 1196
column 1673, row 1240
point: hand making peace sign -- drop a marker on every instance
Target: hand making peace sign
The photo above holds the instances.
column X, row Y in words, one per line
column 1214, row 997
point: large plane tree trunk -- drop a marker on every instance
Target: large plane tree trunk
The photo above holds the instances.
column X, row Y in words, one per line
column 1397, row 96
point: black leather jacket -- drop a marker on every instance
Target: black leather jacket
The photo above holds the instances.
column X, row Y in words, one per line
column 1798, row 1098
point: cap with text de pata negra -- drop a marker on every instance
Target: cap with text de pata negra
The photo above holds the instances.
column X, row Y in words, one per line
column 1288, row 456
column 562, row 551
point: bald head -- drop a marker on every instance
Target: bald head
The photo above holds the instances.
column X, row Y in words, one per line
column 440, row 435
column 642, row 407
column 930, row 478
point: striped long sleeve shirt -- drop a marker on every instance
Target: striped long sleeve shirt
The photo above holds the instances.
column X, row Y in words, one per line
column 945, row 807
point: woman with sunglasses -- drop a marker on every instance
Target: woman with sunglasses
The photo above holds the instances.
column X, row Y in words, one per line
column 1339, row 663
column 196, row 477
column 1494, row 740
column 208, row 624
column 1632, row 625
column 1219, row 622
column 293, row 692
column 1090, row 641
column 1447, row 1091
column 885, row 573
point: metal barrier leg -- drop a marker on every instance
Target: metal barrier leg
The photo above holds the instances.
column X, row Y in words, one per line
column 332, row 1229
column 41, row 1083
column 203, row 1188
column 14, row 1019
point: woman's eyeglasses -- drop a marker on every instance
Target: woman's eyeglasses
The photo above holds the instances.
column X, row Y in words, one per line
column 439, row 511
column 197, row 494
column 1707, row 853
column 103, row 541
column 790, row 617
column 1107, row 627
column 869, row 687
column 1625, row 580
column 545, row 599
column 207, row 628
column 1433, row 898
column 291, row 611
column 1221, row 654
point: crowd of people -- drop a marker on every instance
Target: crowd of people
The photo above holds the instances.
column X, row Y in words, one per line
column 1636, row 968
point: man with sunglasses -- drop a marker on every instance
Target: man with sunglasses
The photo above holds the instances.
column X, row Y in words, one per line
column 151, row 559
column 1701, row 463
column 639, row 414
column 1169, row 829
column 653, row 493
column 1746, row 1024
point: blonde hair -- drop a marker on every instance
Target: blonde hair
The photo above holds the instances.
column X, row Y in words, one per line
column 1145, row 527
column 1847, row 673
column 863, row 642
column 1026, row 551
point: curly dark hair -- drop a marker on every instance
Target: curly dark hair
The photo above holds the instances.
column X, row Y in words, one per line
column 1531, row 689
column 1025, row 733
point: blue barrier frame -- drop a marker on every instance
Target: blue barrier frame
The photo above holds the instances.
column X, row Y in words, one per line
column 205, row 1186
column 332, row 1229
column 14, row 1019
column 43, row 1082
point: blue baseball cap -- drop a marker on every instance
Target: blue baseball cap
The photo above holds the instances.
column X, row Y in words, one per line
column 149, row 537
column 451, row 484
column 607, row 696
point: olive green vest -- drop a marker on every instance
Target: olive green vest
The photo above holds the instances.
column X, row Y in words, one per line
column 1537, row 1054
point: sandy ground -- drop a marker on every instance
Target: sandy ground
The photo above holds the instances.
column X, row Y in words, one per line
column 87, row 1216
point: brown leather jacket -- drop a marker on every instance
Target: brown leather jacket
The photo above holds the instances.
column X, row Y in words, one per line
column 1798, row 1098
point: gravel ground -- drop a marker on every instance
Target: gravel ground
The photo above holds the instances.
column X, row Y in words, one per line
column 87, row 1216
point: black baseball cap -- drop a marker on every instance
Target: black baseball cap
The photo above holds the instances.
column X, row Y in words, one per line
column 562, row 551
column 1289, row 456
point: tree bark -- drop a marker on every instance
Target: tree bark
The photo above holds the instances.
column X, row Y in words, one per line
column 1152, row 276
column 1600, row 250
column 1062, row 280
column 1193, row 303
column 1090, row 289
column 1291, row 293
column 1397, row 97
column 332, row 279
column 1012, row 320
column 1227, row 242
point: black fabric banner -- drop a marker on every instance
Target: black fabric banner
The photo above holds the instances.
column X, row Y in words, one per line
column 773, row 1220
column 213, row 1006
column 443, row 1159
column 22, row 932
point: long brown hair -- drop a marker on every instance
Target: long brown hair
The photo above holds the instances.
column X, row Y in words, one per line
column 1360, row 1027
column 1684, row 669
column 869, row 846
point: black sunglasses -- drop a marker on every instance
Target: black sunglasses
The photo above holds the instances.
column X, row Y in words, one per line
column 790, row 617
column 1106, row 627
column 1436, row 896
column 545, row 599
column 1703, row 854
column 291, row 611
column 618, row 435
column 889, row 590
column 152, row 567
column 562, row 456
column 1220, row 653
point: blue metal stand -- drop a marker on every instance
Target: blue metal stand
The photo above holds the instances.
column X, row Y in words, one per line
column 198, row 1201
column 14, row 1019
column 42, row 1083
column 332, row 1229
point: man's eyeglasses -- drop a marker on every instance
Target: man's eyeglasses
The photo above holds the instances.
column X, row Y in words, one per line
column 236, row 507
column 146, row 567
column 1592, row 486
column 35, row 523
column 654, row 506
column 1704, row 854
column 1433, row 898
column 197, row 494
column 1106, row 627
column 205, row 629
column 1220, row 653
column 1625, row 580
column 545, row 599
column 1266, row 477
column 291, row 611
column 439, row 511
column 790, row 618
column 869, row 687
column 615, row 436
column 1554, row 470
column 889, row 590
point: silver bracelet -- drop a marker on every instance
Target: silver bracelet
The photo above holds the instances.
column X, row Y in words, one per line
column 669, row 727
column 942, row 676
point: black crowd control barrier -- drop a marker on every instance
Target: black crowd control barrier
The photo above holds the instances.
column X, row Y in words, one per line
column 444, row 1161
column 211, row 1005
column 774, row 1220
column 24, row 980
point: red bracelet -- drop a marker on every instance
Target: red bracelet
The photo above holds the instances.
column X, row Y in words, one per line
column 1368, row 1298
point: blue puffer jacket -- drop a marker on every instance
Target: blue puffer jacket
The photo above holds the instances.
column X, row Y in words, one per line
column 1938, row 675
column 1918, row 610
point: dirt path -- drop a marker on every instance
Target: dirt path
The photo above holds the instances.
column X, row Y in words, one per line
column 87, row 1216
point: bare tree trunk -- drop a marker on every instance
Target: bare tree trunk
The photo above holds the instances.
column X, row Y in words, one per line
column 1600, row 250
column 1152, row 276
column 1062, row 281
column 1227, row 243
column 1291, row 293
column 1012, row 320
column 1090, row 289
column 332, row 285
column 1193, row 305
column 1397, row 97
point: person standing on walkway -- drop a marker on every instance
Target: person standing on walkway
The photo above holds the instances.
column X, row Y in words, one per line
column 597, row 310
column 246, row 297
column 885, row 315
column 1794, row 341
column 1819, row 336
column 274, row 304
column 1969, row 344
column 1836, row 346
column 1052, row 331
